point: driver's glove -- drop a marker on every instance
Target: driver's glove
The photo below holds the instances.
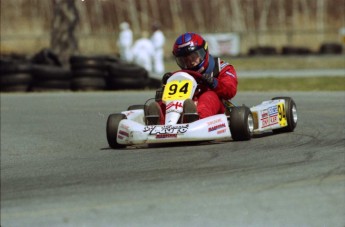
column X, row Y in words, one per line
column 209, row 80
column 165, row 78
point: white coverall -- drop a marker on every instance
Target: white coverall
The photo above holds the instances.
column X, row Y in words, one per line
column 158, row 41
column 125, row 42
column 143, row 53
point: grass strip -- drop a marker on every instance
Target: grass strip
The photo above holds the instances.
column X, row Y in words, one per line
column 292, row 84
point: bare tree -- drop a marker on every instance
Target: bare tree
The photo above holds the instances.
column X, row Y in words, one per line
column 238, row 16
column 264, row 15
column 65, row 19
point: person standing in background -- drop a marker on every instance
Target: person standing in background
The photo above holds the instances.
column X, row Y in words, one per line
column 158, row 40
column 125, row 42
column 143, row 51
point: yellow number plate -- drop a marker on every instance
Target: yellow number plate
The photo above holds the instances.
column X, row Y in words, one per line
column 177, row 90
column 282, row 115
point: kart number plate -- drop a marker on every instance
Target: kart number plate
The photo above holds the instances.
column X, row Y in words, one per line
column 282, row 115
column 177, row 90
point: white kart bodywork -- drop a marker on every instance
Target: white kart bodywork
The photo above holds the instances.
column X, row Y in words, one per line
column 267, row 116
column 211, row 128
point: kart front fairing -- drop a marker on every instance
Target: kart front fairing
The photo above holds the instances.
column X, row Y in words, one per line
column 136, row 132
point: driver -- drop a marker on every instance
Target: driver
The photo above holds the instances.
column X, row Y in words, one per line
column 218, row 81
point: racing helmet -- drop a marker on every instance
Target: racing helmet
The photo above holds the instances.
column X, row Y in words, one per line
column 191, row 52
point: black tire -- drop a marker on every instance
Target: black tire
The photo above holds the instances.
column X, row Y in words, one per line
column 331, row 48
column 16, row 79
column 127, row 70
column 46, row 57
column 112, row 128
column 14, row 88
column 46, row 85
column 262, row 50
column 290, row 113
column 89, row 72
column 13, row 67
column 241, row 123
column 50, row 72
column 90, row 64
column 136, row 107
column 118, row 83
column 81, row 59
column 154, row 83
column 288, row 50
column 88, row 83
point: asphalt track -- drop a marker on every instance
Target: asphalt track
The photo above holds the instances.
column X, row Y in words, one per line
column 57, row 169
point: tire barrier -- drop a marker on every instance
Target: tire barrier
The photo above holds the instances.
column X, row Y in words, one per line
column 46, row 57
column 331, row 48
column 15, row 74
column 50, row 78
column 289, row 50
column 262, row 50
column 127, row 76
column 89, row 72
column 44, row 72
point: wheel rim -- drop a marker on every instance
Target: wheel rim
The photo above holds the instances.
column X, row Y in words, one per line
column 250, row 123
column 294, row 114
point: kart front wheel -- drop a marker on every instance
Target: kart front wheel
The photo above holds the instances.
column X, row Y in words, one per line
column 241, row 123
column 112, row 128
column 136, row 107
column 290, row 114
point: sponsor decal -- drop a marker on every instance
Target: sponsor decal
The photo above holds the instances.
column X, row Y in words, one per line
column 165, row 136
column 269, row 116
column 264, row 114
column 124, row 133
column 272, row 111
column 269, row 121
column 167, row 129
column 214, row 122
column 170, row 107
column 174, row 104
column 221, row 131
column 216, row 127
column 123, row 126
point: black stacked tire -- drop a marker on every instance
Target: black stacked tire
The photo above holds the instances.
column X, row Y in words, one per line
column 289, row 50
column 46, row 57
column 50, row 78
column 89, row 72
column 331, row 48
column 127, row 76
column 15, row 75
column 262, row 50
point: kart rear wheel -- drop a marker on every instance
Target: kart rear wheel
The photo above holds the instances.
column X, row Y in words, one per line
column 241, row 123
column 291, row 115
column 112, row 128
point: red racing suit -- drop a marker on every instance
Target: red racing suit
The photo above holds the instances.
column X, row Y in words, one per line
column 209, row 101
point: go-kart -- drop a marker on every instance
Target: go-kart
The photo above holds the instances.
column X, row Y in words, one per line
column 137, row 125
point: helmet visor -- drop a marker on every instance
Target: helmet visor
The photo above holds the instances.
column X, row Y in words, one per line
column 191, row 60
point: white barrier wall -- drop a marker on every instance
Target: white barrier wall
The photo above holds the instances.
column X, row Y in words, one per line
column 223, row 44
